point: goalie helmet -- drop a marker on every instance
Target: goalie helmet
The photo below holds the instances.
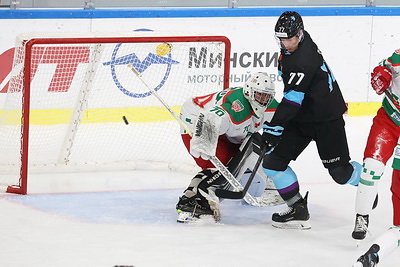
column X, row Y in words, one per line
column 288, row 25
column 260, row 91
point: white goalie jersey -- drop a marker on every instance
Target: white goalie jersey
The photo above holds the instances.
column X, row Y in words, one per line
column 229, row 113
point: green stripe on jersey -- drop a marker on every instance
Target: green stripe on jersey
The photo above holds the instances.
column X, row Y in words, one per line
column 237, row 105
column 395, row 58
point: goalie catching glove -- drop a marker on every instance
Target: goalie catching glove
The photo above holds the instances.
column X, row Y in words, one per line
column 381, row 77
column 271, row 136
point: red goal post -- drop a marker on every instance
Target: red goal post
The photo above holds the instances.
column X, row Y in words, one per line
column 73, row 104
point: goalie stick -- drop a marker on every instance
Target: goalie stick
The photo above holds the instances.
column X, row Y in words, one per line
column 217, row 163
column 223, row 193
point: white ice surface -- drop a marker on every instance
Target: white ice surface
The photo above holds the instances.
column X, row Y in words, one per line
column 128, row 219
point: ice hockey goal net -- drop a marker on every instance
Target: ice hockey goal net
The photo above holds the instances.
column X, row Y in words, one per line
column 73, row 104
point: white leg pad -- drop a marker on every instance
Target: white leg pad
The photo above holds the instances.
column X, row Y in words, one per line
column 262, row 187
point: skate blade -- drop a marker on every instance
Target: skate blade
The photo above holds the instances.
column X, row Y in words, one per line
column 359, row 241
column 297, row 225
column 187, row 217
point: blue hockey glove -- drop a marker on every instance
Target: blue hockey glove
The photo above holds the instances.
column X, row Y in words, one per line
column 271, row 136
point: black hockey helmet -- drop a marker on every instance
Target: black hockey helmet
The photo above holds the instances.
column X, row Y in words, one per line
column 288, row 25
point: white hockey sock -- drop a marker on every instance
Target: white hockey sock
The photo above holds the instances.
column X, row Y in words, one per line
column 388, row 241
column 368, row 186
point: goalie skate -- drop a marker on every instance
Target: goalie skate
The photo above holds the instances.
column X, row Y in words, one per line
column 262, row 188
column 190, row 211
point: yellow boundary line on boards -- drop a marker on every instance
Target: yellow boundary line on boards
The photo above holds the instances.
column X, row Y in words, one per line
column 138, row 114
column 101, row 115
column 356, row 109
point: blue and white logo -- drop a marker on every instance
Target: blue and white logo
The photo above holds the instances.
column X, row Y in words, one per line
column 141, row 66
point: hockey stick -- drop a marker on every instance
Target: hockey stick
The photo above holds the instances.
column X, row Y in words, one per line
column 240, row 194
column 393, row 102
column 214, row 160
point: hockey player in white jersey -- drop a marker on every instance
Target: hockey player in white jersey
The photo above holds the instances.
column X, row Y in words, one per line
column 383, row 141
column 220, row 122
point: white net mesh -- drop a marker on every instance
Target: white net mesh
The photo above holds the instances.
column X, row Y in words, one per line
column 89, row 111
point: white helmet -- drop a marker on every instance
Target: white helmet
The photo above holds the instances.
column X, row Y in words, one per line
column 260, row 91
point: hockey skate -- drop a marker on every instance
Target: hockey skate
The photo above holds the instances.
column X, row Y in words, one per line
column 192, row 210
column 360, row 227
column 370, row 258
column 294, row 217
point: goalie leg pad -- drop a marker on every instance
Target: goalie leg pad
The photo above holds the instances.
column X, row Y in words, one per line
column 201, row 189
column 263, row 190
column 258, row 185
column 211, row 178
column 196, row 204
column 250, row 145
column 191, row 191
column 262, row 187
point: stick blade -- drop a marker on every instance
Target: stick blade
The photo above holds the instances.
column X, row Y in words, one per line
column 229, row 194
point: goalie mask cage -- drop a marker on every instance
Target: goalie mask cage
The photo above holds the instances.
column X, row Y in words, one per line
column 73, row 104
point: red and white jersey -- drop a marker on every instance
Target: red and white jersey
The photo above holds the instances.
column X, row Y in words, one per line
column 391, row 106
column 393, row 63
column 391, row 103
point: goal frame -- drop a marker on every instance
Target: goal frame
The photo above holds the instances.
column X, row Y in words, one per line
column 26, row 84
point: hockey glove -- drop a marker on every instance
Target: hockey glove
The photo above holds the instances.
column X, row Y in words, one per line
column 380, row 79
column 271, row 136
